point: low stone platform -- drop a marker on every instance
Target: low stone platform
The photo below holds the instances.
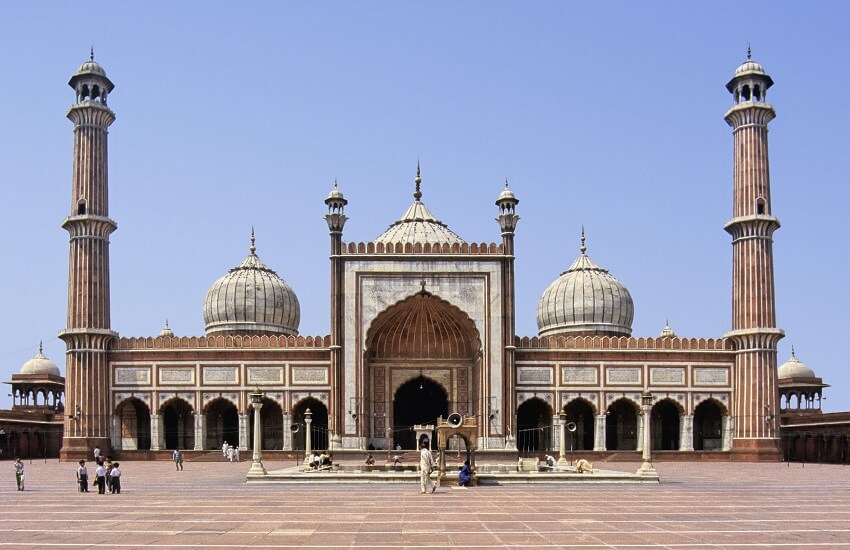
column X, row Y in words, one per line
column 487, row 475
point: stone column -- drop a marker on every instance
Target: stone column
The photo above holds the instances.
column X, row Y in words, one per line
column 243, row 431
column 308, row 420
column 200, row 431
column 599, row 433
column 257, row 458
column 727, row 429
column 116, row 432
column 641, row 428
column 155, row 422
column 287, row 432
column 686, row 439
column 562, row 444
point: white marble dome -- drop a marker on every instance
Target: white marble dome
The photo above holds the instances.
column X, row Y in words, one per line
column 794, row 368
column 585, row 299
column 418, row 225
column 251, row 299
column 40, row 365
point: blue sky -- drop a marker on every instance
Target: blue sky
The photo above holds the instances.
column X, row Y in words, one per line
column 607, row 114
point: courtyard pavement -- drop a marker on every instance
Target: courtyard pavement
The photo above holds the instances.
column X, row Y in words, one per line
column 209, row 505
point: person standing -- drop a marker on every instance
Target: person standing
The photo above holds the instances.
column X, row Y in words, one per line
column 178, row 459
column 115, row 478
column 426, row 466
column 19, row 473
column 100, row 479
column 97, row 458
column 83, row 477
column 224, row 449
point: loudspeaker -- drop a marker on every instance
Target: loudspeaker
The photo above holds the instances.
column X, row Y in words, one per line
column 454, row 420
column 294, row 428
column 571, row 426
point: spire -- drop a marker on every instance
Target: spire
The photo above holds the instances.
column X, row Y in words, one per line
column 253, row 248
column 41, row 347
column 91, row 54
column 583, row 247
column 749, row 52
column 418, row 193
column 793, row 355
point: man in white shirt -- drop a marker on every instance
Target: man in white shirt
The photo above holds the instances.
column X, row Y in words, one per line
column 426, row 466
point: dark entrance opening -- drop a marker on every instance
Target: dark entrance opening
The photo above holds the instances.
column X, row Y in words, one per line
column 222, row 424
column 665, row 426
column 179, row 425
column 534, row 425
column 418, row 401
column 708, row 427
column 135, row 420
column 319, row 439
column 621, row 426
column 580, row 413
column 271, row 422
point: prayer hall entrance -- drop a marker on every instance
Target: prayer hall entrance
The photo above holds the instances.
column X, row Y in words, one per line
column 423, row 360
column 418, row 401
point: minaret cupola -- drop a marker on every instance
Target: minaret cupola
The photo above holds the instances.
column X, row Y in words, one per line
column 750, row 82
column 336, row 210
column 507, row 203
column 90, row 82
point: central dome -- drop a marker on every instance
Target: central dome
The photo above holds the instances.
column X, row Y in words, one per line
column 585, row 299
column 251, row 299
column 418, row 225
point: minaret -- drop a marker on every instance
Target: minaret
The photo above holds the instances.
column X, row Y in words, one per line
column 754, row 331
column 336, row 222
column 88, row 334
column 508, row 219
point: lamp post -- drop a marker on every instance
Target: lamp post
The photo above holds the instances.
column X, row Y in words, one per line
column 308, row 445
column 257, row 468
column 646, row 469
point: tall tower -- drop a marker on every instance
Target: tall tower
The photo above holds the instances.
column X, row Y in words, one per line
column 336, row 222
column 88, row 334
column 508, row 220
column 754, row 331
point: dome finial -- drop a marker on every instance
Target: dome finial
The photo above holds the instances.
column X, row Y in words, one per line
column 792, row 352
column 253, row 248
column 749, row 52
column 40, row 346
column 583, row 247
column 91, row 53
column 418, row 193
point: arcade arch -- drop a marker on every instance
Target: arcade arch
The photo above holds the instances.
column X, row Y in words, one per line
column 665, row 420
column 534, row 426
column 178, row 424
column 621, row 427
column 271, row 421
column 134, row 420
column 318, row 426
column 581, row 413
column 222, row 423
column 708, row 426
column 420, row 400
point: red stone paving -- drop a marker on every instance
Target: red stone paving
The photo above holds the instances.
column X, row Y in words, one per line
column 208, row 505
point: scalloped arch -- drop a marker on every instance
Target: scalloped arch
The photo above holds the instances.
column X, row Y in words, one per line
column 422, row 326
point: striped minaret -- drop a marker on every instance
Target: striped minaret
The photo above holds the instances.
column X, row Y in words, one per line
column 754, row 332
column 88, row 333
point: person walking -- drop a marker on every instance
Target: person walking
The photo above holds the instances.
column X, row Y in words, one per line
column 83, row 477
column 426, row 466
column 115, row 478
column 19, row 473
column 177, row 456
column 100, row 479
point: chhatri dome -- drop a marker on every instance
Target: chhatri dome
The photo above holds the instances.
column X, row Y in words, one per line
column 251, row 299
column 585, row 299
column 40, row 364
column 418, row 225
column 794, row 368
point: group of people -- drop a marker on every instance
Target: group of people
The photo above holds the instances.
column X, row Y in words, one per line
column 321, row 461
column 107, row 475
column 230, row 452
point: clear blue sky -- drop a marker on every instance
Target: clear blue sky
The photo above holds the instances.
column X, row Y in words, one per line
column 603, row 114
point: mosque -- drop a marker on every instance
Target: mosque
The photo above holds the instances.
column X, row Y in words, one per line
column 422, row 325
